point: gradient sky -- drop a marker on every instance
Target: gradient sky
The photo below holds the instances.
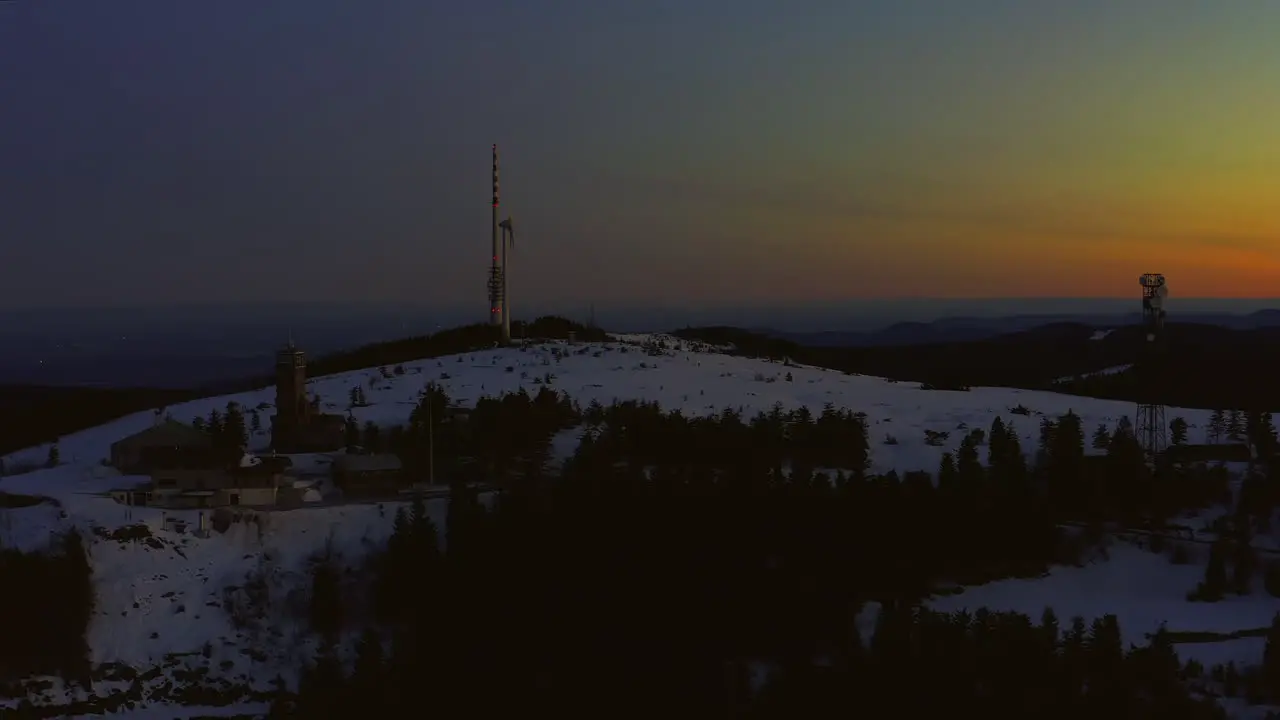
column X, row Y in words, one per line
column 673, row 151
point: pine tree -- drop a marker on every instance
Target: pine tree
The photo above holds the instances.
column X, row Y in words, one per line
column 1231, row 680
column 1235, row 425
column 1244, row 562
column 401, row 527
column 1124, row 426
column 282, row 705
column 969, row 468
column 234, row 432
column 1178, row 431
column 1252, row 422
column 392, row 585
column 996, row 449
column 857, row 446
column 80, row 595
column 1215, row 573
column 947, row 474
column 55, row 456
column 372, row 437
column 1068, row 438
column 852, row 647
column 1045, row 449
column 1049, row 628
column 1260, row 432
column 1267, row 424
column 1160, row 668
column 461, row 518
column 1016, row 461
column 214, row 426
column 326, row 599
column 322, row 687
column 1271, row 660
column 1064, row 466
column 1101, row 437
column 366, row 674
column 1126, row 472
column 1074, row 655
column 535, row 464
column 1217, row 426
column 351, row 432
column 892, row 635
column 423, row 534
column 1105, row 651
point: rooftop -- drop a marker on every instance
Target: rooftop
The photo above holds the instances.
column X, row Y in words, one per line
column 167, row 432
column 366, row 463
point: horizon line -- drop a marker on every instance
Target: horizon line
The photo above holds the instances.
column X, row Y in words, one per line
column 657, row 306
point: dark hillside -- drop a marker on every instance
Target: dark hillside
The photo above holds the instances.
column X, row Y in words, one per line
column 1027, row 358
column 1024, row 359
column 446, row 342
column 1205, row 366
column 749, row 344
column 35, row 415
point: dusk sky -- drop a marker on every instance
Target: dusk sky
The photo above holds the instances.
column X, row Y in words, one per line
column 665, row 151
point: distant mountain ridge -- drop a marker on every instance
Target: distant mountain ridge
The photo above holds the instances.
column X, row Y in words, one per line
column 1203, row 366
column 970, row 329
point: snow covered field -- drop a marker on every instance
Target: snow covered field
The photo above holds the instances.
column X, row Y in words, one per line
column 697, row 383
column 162, row 596
column 1144, row 590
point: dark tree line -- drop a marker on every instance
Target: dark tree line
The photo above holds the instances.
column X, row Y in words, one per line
column 504, row 437
column 672, row 555
column 1227, row 367
column 48, row 600
column 448, row 342
column 37, row 415
column 229, row 430
column 42, row 414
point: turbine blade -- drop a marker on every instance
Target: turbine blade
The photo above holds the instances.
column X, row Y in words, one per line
column 510, row 229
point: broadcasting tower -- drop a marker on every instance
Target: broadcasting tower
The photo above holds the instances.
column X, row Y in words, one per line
column 1150, row 369
column 496, row 309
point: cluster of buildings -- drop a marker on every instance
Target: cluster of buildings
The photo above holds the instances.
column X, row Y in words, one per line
column 189, row 470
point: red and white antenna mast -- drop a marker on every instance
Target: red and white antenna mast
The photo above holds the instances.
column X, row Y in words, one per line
column 496, row 309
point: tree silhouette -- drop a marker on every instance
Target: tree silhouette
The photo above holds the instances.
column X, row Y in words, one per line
column 1101, row 437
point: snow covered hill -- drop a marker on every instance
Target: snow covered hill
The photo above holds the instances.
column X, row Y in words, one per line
column 162, row 593
column 692, row 378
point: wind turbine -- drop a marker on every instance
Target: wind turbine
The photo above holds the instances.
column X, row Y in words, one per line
column 508, row 238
